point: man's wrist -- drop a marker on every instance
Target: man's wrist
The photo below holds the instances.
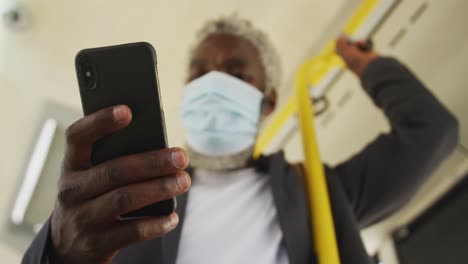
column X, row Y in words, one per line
column 362, row 67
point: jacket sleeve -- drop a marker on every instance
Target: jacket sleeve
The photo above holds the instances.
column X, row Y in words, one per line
column 384, row 175
column 38, row 251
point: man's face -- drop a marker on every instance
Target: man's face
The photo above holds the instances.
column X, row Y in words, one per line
column 229, row 54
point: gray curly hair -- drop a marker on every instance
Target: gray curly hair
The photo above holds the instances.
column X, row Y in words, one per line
column 243, row 28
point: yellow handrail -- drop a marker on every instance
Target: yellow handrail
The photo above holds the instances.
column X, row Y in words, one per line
column 269, row 133
column 310, row 74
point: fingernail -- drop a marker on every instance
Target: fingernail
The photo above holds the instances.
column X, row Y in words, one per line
column 174, row 218
column 170, row 222
column 178, row 159
column 120, row 113
column 182, row 180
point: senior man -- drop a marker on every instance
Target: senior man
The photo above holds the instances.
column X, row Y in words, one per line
column 239, row 210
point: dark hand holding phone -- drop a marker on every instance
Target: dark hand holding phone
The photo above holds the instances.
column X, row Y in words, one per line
column 118, row 179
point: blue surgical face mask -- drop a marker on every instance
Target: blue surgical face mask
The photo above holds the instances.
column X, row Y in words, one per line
column 220, row 114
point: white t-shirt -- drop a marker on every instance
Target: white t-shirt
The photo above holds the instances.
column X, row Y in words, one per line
column 231, row 218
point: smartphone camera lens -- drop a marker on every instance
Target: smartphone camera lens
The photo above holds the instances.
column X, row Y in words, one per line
column 89, row 78
column 87, row 74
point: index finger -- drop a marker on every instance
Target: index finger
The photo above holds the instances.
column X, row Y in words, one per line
column 82, row 134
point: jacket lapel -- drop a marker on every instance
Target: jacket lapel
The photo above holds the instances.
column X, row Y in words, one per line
column 293, row 213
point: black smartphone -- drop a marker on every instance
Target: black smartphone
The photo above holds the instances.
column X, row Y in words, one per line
column 125, row 74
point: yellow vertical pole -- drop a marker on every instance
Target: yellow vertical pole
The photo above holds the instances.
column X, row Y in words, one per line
column 318, row 198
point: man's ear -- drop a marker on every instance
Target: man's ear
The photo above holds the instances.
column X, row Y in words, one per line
column 270, row 102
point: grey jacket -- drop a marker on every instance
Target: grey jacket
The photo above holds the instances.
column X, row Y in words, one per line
column 369, row 186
